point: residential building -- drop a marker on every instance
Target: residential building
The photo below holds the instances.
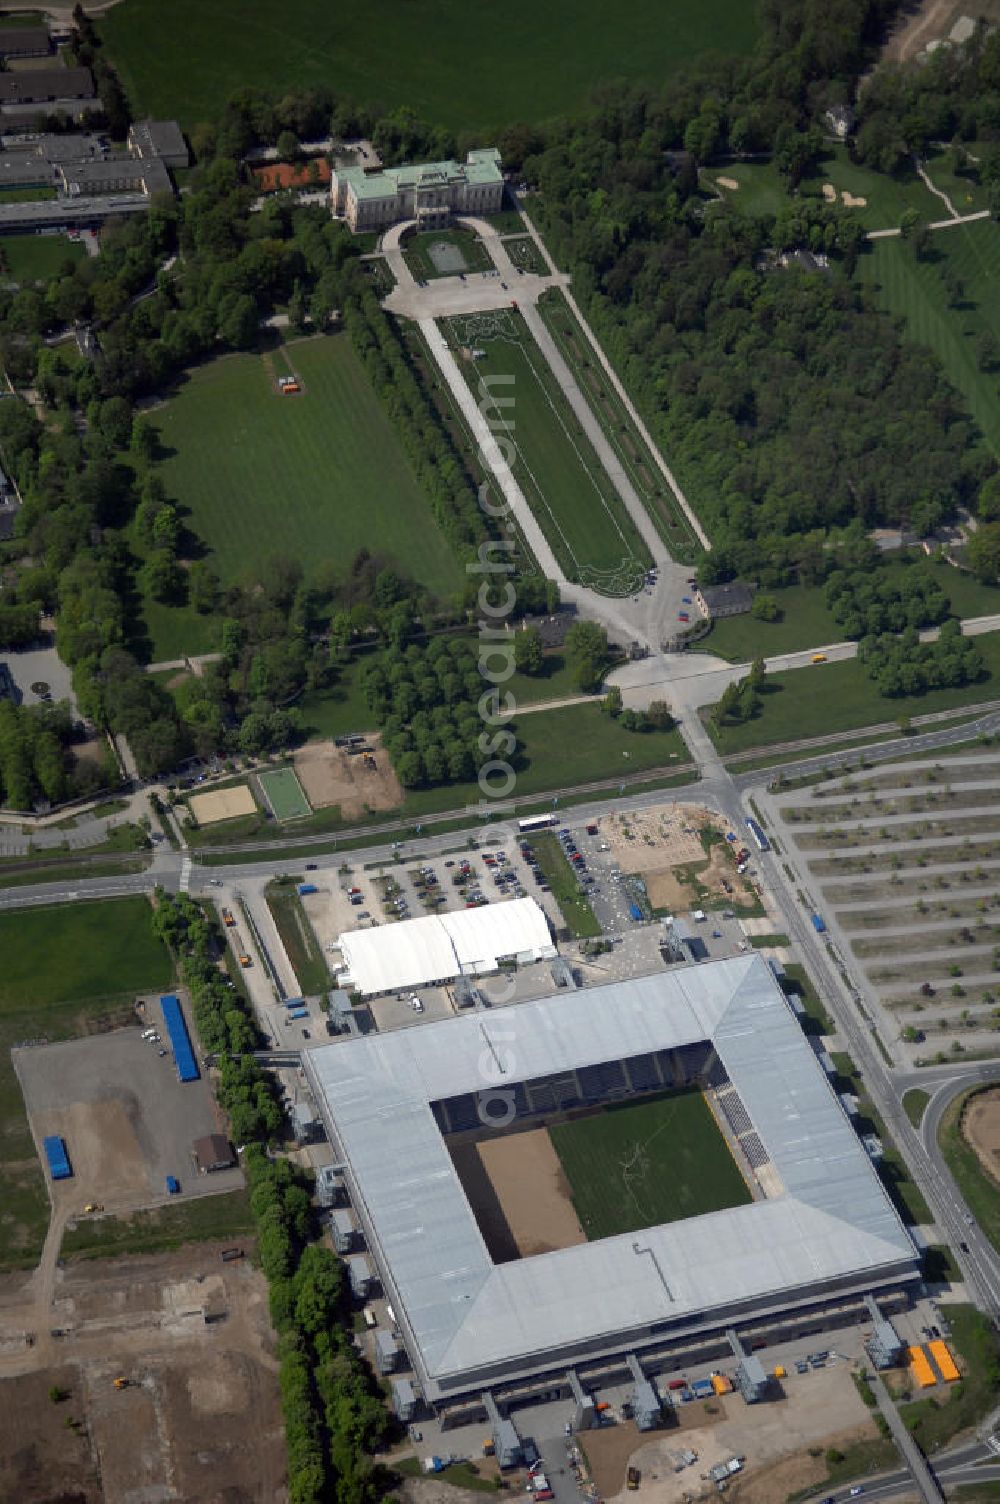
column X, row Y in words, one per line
column 27, row 41
column 429, row 192
column 734, row 599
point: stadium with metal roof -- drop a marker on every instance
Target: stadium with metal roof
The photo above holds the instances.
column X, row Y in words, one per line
column 825, row 1229
column 440, row 947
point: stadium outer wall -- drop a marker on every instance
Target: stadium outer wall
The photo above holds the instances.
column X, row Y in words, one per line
column 600, row 1360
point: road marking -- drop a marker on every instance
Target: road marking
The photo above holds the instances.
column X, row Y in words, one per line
column 185, row 881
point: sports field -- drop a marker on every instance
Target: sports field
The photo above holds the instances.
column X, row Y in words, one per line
column 916, row 291
column 526, row 62
column 66, row 969
column 315, row 477
column 641, row 1164
column 566, row 486
column 284, row 794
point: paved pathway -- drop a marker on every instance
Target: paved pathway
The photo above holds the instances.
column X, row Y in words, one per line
column 937, row 224
column 490, row 451
column 623, row 396
column 937, row 192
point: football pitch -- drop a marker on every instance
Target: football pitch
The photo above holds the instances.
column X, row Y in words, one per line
column 314, row 477
column 284, row 794
column 640, row 1164
column 570, row 494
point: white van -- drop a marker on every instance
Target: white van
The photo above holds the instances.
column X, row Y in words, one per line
column 369, row 1316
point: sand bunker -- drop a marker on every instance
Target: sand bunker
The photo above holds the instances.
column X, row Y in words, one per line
column 223, row 804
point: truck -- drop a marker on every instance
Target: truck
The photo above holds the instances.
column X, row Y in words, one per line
column 633, row 1478
column 702, row 1389
column 818, row 923
column 305, row 888
column 541, row 1488
column 297, row 1013
column 635, row 912
column 228, row 918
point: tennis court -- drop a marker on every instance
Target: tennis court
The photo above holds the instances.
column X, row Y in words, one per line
column 284, row 794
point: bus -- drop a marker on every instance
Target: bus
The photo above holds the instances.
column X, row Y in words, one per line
column 763, row 844
column 537, row 822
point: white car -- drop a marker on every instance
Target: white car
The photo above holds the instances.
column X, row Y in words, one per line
column 416, row 1005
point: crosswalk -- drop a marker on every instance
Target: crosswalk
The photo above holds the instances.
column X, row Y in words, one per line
column 185, row 882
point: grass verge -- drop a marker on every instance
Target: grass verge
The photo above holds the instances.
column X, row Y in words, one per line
column 301, row 945
column 581, row 921
column 981, row 1194
column 162, row 1228
column 915, row 1104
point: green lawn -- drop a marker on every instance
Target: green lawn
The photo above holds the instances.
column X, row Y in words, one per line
column 914, row 290
column 66, row 970
column 831, row 697
column 762, row 190
column 184, row 60
column 979, row 1191
column 915, row 1104
column 316, row 477
column 967, row 195
column 161, row 1228
column 640, row 1164
column 580, row 918
column 36, row 258
column 807, row 622
column 570, row 494
column 297, row 936
column 619, row 429
column 798, row 984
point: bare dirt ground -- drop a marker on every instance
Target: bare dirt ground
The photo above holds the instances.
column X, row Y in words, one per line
column 223, row 804
column 200, row 1416
column 774, row 1438
column 662, row 845
column 532, row 1190
column 331, row 776
column 981, row 1129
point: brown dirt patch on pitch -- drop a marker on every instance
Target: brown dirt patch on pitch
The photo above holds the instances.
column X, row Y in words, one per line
column 223, row 804
column 533, row 1193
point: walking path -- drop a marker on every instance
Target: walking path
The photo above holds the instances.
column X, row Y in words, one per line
column 622, row 395
column 937, row 192
column 490, row 451
column 937, row 224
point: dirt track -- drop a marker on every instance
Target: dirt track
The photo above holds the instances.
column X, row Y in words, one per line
column 331, row 776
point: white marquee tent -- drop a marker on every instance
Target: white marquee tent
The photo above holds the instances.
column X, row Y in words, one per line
column 418, row 952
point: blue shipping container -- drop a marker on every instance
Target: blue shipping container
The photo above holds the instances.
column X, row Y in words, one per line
column 702, row 1388
column 635, row 911
column 187, row 1066
column 817, row 923
column 294, row 1002
column 55, row 1153
column 308, row 888
column 298, row 1013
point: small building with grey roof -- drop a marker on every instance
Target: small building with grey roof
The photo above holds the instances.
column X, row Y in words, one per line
column 25, row 41
column 820, row 1234
column 42, row 86
column 163, row 139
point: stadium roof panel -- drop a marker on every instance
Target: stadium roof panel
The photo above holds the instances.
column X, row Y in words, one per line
column 417, row 952
column 468, row 1321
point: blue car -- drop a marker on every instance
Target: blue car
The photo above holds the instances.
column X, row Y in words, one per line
column 173, row 1185
column 688, row 601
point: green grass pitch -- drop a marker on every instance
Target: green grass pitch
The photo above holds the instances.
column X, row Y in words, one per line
column 315, row 477
column 566, row 486
column 490, row 67
column 642, row 1164
column 285, row 795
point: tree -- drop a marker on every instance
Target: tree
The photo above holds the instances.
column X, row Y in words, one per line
column 288, row 146
column 659, row 716
column 612, row 702
column 587, row 651
column 908, row 221
column 983, row 553
column 528, row 656
column 766, row 608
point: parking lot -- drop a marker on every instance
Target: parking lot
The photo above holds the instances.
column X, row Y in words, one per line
column 127, row 1121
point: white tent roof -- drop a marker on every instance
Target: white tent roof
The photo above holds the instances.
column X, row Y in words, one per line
column 416, row 952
